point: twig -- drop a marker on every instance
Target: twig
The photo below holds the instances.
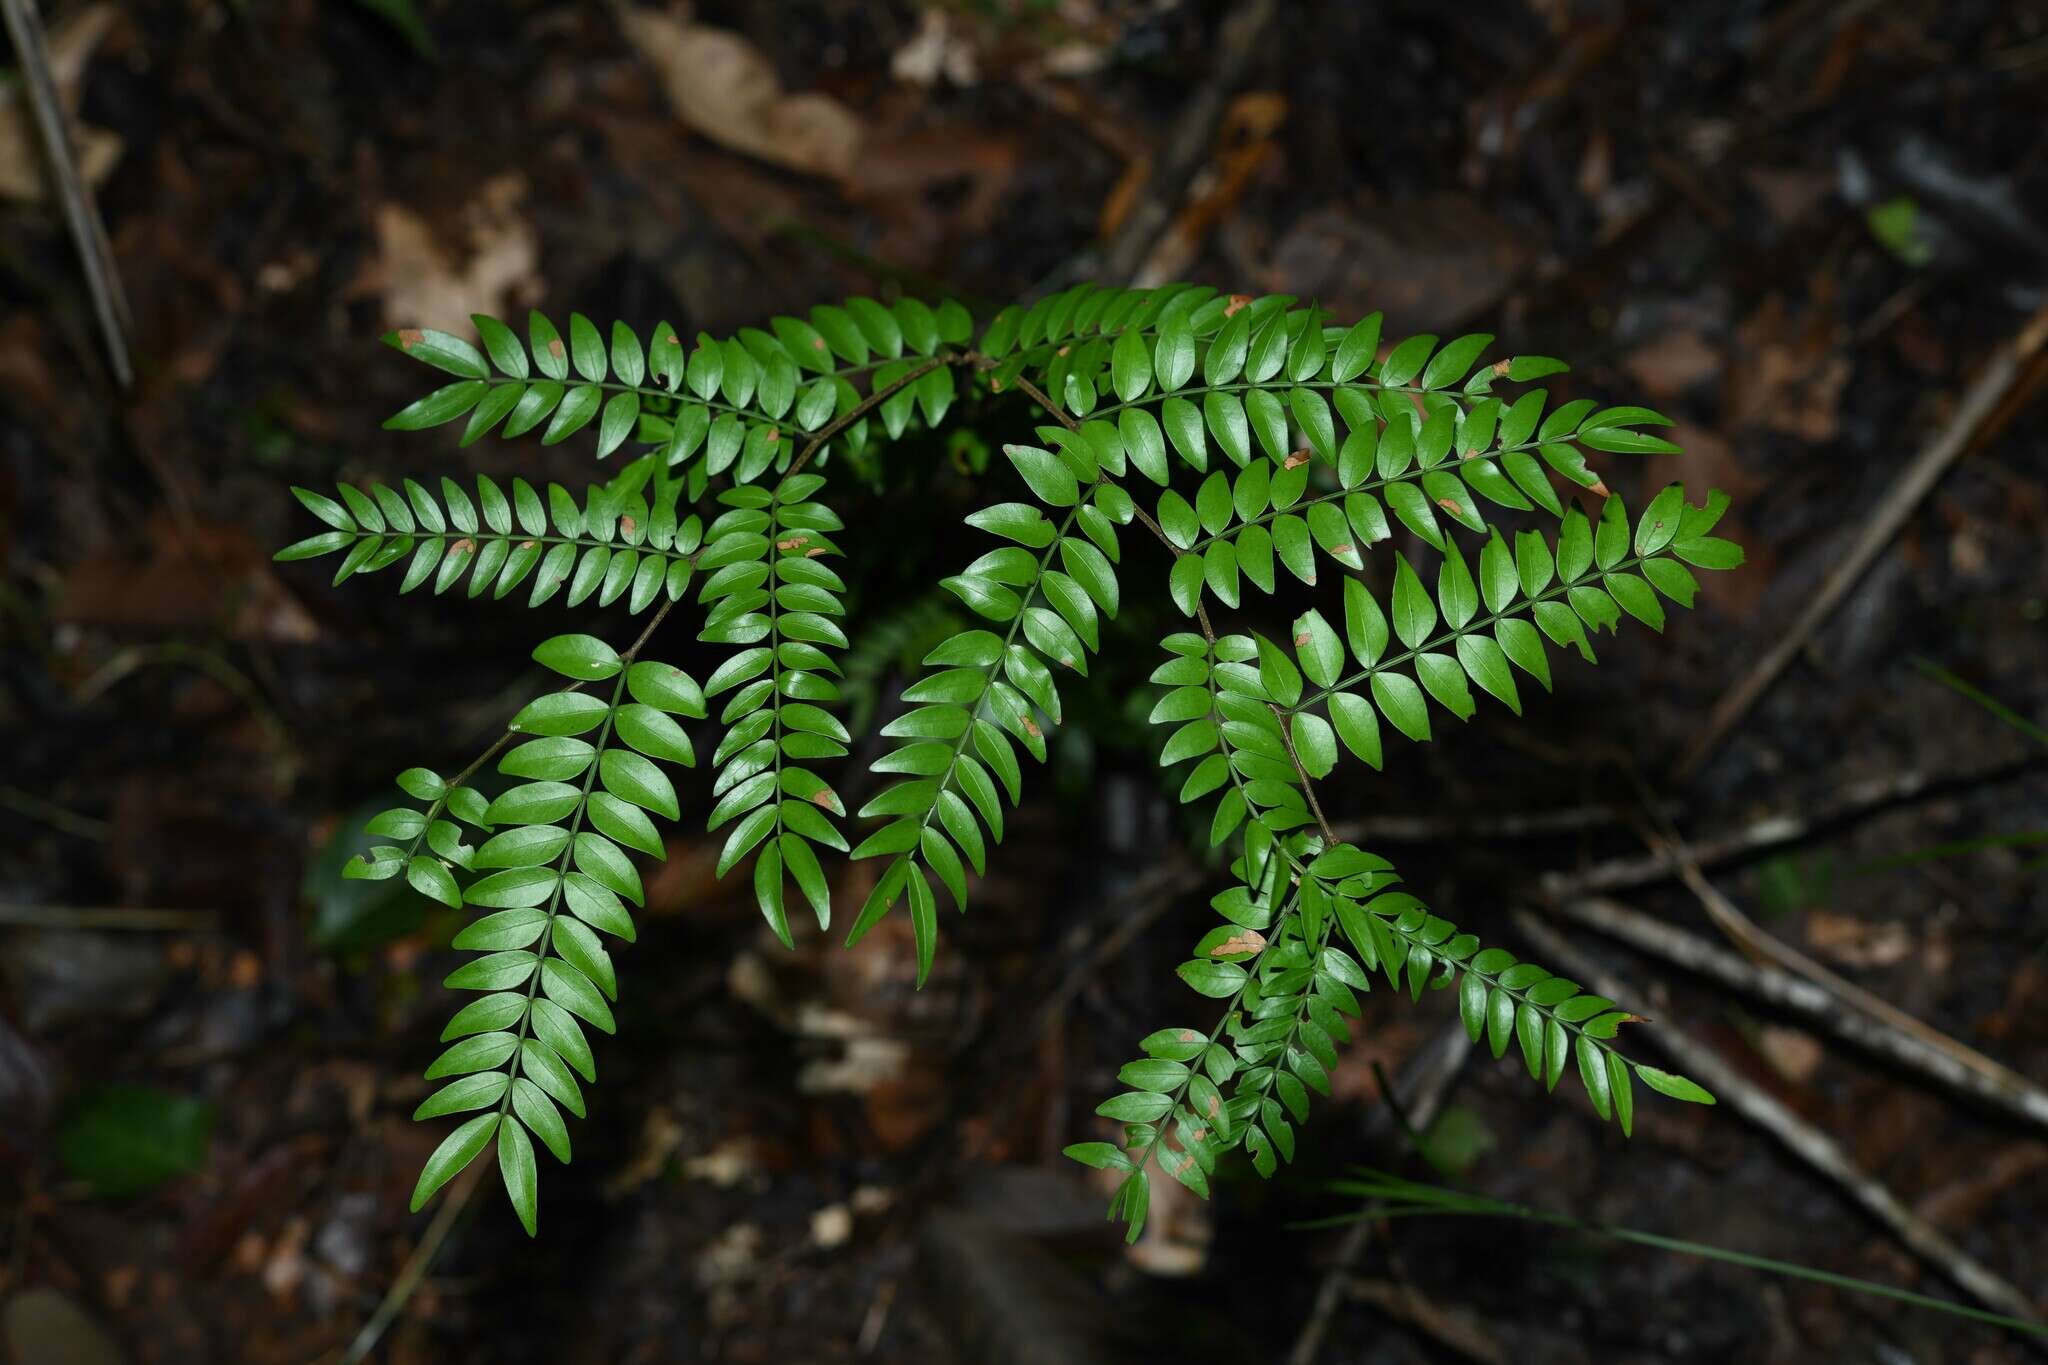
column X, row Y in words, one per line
column 1237, row 43
column 1815, row 1148
column 1783, row 990
column 1428, row 1079
column 863, row 408
column 1853, row 802
column 1748, row 935
column 416, row 1265
column 1914, row 483
column 81, row 213
column 1480, row 826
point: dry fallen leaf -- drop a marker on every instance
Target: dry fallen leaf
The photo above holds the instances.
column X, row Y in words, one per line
column 1857, row 942
column 729, row 92
column 938, row 49
column 423, row 280
column 22, row 174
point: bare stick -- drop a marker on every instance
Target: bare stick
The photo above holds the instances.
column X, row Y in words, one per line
column 1855, row 801
column 1980, row 400
column 1237, row 43
column 1480, row 825
column 81, row 213
column 1819, row 1151
column 1809, row 1001
column 1746, row 934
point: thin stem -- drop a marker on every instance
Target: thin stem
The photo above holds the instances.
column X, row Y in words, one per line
column 1308, row 785
column 863, row 408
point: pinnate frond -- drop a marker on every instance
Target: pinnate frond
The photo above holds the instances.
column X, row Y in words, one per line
column 1258, row 442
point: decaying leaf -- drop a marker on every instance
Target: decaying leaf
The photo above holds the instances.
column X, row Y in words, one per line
column 72, row 41
column 729, row 92
column 489, row 266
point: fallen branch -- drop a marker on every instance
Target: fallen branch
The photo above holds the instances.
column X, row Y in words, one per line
column 1858, row 800
column 1746, row 934
column 1482, row 826
column 1813, row 1147
column 1808, row 1001
column 1979, row 402
column 1237, row 43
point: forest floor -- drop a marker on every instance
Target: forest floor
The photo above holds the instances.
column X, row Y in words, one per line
column 1804, row 228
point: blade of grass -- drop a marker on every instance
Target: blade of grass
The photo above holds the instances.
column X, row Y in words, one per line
column 1930, row 669
column 1399, row 1198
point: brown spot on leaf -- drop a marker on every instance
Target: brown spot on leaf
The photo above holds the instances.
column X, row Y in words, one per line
column 555, row 346
column 1237, row 303
column 825, row 797
column 1212, row 1108
column 774, row 435
column 1031, row 726
column 1451, row 505
column 529, row 544
column 462, row 547
column 1501, row 368
column 1296, row 459
column 793, row 543
column 1301, row 638
column 1599, row 488
column 1347, row 548
column 1243, row 943
column 995, row 385
column 627, row 526
column 1188, row 1035
column 409, row 337
column 814, row 552
column 670, row 339
column 817, row 343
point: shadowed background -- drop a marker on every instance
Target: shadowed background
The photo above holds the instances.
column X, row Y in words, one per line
column 1803, row 230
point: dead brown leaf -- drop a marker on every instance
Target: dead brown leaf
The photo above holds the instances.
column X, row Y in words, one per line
column 1788, row 372
column 1430, row 263
column 1857, row 943
column 425, row 278
column 1244, row 943
column 729, row 92
column 72, row 41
